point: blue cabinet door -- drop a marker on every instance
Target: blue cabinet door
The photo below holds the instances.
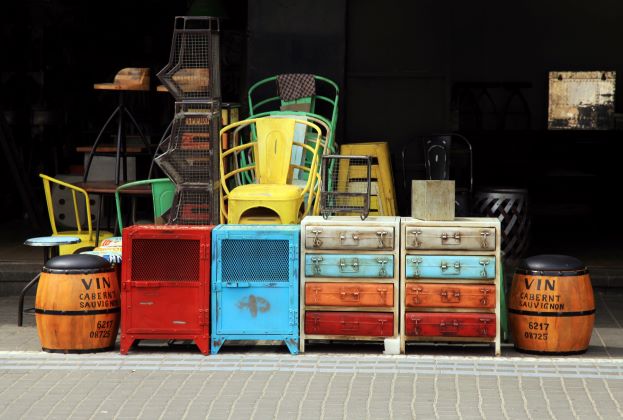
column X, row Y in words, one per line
column 349, row 265
column 450, row 266
column 246, row 309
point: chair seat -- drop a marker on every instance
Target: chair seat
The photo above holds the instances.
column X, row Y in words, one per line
column 86, row 240
column 271, row 192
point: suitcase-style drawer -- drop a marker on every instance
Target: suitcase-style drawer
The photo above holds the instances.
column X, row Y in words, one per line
column 374, row 324
column 450, row 266
column 349, row 294
column 349, row 237
column 420, row 295
column 420, row 324
column 450, row 238
column 349, row 265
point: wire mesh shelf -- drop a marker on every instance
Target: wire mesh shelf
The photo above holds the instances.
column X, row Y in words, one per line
column 346, row 184
column 193, row 71
column 193, row 148
column 193, row 206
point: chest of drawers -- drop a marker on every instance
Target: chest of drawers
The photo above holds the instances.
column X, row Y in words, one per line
column 450, row 281
column 349, row 278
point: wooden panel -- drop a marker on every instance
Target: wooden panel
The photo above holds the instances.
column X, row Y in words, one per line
column 432, row 199
column 449, row 295
column 450, row 266
column 349, row 265
column 349, row 237
column 374, row 324
column 450, row 238
column 423, row 324
column 349, row 294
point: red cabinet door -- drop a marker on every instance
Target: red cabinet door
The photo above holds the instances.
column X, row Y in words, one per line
column 420, row 324
column 376, row 324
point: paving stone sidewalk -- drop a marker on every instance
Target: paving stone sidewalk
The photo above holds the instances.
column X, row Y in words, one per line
column 328, row 382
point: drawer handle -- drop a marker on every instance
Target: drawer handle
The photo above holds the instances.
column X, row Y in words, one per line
column 382, row 271
column 317, row 241
column 383, row 293
column 350, row 326
column 484, row 262
column 316, row 291
column 456, row 236
column 485, row 324
column 354, row 264
column 485, row 292
column 316, row 261
column 316, row 323
column 416, row 242
column 416, row 291
column 381, row 325
column 417, row 262
column 354, row 235
column 381, row 235
column 452, row 296
column 351, row 295
column 449, row 327
column 484, row 234
column 417, row 329
column 457, row 266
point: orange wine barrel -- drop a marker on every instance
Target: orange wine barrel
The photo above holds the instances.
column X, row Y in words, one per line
column 77, row 304
column 551, row 307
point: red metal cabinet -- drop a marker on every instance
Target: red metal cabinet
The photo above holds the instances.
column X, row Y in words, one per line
column 449, row 295
column 166, row 284
column 376, row 324
column 455, row 324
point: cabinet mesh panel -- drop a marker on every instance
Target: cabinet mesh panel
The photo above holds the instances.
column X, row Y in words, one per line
column 255, row 260
column 191, row 206
column 193, row 71
column 165, row 259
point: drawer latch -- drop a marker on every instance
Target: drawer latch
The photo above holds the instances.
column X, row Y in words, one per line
column 381, row 235
column 316, row 261
column 382, row 262
column 417, row 261
column 317, row 241
column 484, row 234
column 451, row 296
column 484, row 262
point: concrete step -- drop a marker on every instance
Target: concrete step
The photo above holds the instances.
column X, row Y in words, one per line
column 14, row 275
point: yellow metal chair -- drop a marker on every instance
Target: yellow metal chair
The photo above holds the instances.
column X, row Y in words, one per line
column 87, row 237
column 273, row 197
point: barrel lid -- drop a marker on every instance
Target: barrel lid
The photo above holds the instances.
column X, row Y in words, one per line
column 77, row 263
column 551, row 263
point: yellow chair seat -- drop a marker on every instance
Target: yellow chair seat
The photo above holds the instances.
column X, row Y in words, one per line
column 261, row 192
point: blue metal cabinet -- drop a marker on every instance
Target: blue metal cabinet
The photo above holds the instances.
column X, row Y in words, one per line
column 450, row 266
column 255, row 284
column 349, row 265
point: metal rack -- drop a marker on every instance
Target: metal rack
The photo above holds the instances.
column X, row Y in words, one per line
column 346, row 185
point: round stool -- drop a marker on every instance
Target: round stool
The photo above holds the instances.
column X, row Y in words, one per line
column 551, row 307
column 510, row 207
column 77, row 305
column 50, row 245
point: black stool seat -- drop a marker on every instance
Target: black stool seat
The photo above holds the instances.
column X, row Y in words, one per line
column 551, row 263
column 77, row 264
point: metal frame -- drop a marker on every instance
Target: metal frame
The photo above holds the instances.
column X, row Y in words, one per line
column 327, row 196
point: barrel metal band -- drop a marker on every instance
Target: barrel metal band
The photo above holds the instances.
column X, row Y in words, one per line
column 93, row 312
column 553, row 273
column 553, row 314
column 77, row 270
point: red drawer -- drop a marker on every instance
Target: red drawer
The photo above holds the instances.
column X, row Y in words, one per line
column 373, row 324
column 449, row 295
column 439, row 324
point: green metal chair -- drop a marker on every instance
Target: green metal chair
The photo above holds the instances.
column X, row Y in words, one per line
column 162, row 193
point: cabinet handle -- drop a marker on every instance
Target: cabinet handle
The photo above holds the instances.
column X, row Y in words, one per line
column 344, row 294
column 415, row 234
column 485, row 322
column 416, row 291
column 484, row 262
column 381, row 235
column 452, row 296
column 350, row 326
column 354, row 264
column 316, row 261
column 382, row 271
column 317, row 241
column 485, row 292
column 383, row 293
column 316, row 290
column 484, row 234
column 417, row 262
column 456, row 236
column 417, row 329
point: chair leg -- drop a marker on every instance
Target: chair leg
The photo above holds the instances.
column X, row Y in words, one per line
column 97, row 139
column 138, row 128
column 20, row 313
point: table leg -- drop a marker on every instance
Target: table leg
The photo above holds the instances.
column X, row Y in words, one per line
column 20, row 305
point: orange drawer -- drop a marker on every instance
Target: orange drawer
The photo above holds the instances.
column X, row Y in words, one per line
column 449, row 295
column 349, row 294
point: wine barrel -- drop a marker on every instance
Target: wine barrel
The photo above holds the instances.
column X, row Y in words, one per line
column 551, row 307
column 77, row 305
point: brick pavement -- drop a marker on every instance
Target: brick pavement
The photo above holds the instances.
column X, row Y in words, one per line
column 330, row 382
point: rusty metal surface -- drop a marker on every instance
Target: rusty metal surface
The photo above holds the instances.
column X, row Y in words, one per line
column 581, row 100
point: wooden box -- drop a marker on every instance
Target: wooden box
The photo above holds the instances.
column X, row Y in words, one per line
column 432, row 200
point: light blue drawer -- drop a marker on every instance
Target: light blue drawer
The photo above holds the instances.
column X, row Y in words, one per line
column 349, row 265
column 450, row 266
